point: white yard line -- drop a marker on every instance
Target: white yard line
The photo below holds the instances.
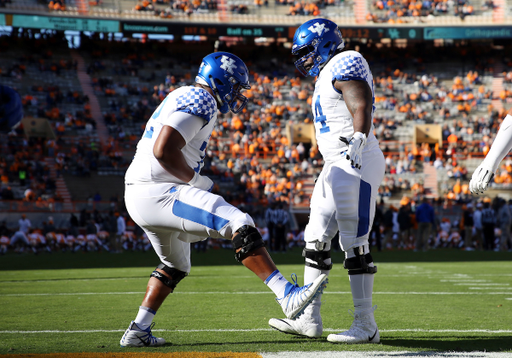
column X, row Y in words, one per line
column 258, row 293
column 406, row 330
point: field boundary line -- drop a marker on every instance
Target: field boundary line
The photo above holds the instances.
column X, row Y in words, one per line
column 413, row 330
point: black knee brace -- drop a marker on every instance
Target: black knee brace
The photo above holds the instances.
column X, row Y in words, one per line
column 359, row 264
column 176, row 275
column 318, row 257
column 247, row 239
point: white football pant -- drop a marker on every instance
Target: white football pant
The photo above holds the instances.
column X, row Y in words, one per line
column 344, row 199
column 174, row 215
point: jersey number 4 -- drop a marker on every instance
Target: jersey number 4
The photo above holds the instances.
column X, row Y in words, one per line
column 320, row 117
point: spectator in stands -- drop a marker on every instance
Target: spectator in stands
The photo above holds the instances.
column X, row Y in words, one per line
column 425, row 216
column 468, row 224
column 281, row 218
column 405, row 224
column 269, row 221
column 488, row 225
column 504, row 220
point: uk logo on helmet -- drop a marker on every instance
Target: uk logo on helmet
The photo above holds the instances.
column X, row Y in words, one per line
column 228, row 64
column 318, row 28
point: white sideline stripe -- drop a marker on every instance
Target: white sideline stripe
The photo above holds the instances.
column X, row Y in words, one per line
column 407, row 330
column 393, row 354
column 258, row 293
column 481, row 284
column 464, row 280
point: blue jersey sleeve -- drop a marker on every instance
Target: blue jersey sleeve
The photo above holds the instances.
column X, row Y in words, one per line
column 197, row 102
column 349, row 68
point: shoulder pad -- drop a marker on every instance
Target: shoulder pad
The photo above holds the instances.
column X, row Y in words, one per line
column 198, row 102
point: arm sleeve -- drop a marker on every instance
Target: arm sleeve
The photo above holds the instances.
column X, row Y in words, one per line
column 501, row 145
column 187, row 124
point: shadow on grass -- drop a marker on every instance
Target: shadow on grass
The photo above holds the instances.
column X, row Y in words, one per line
column 460, row 344
column 68, row 260
column 421, row 345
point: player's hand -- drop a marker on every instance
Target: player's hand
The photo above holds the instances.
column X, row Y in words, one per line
column 201, row 182
column 355, row 149
column 480, row 180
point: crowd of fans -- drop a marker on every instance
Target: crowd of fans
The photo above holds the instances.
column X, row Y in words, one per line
column 481, row 225
column 250, row 156
column 397, row 12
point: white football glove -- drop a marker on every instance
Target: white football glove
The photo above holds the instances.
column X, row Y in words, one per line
column 201, row 182
column 481, row 178
column 355, row 149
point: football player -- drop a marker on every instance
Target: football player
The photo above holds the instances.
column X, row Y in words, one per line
column 500, row 147
column 171, row 201
column 345, row 193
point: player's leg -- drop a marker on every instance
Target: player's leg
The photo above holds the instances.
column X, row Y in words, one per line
column 355, row 195
column 321, row 228
column 174, row 256
column 199, row 214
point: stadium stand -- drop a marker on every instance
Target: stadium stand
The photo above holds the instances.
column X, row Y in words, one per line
column 97, row 99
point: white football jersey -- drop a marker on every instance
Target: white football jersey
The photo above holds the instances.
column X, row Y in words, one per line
column 192, row 101
column 332, row 117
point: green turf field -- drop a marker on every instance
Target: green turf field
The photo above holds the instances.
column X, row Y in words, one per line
column 434, row 301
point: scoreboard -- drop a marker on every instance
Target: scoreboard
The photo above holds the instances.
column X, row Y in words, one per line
column 62, row 23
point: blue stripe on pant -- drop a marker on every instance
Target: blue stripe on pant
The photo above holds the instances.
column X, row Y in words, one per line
column 198, row 215
column 365, row 194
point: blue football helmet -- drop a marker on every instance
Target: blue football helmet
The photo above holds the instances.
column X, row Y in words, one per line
column 227, row 75
column 11, row 109
column 317, row 38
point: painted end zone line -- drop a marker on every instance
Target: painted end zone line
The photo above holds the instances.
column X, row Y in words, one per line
column 408, row 330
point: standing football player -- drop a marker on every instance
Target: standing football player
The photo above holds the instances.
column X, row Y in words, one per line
column 344, row 197
column 500, row 147
column 171, row 201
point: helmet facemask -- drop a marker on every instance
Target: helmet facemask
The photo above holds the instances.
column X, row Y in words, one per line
column 320, row 57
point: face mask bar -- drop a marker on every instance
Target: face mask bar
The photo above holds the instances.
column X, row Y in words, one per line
column 303, row 54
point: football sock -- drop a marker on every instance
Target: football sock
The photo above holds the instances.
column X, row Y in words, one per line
column 144, row 317
column 277, row 283
column 362, row 289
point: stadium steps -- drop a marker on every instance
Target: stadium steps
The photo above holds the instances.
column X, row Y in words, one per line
column 498, row 14
column 82, row 6
column 60, row 183
column 497, row 86
column 430, row 182
column 87, row 89
column 360, row 10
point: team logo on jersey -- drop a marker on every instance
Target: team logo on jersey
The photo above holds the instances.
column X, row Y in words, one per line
column 228, row 64
column 318, row 28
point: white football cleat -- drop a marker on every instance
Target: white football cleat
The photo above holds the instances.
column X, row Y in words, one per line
column 306, row 324
column 298, row 298
column 363, row 330
column 136, row 337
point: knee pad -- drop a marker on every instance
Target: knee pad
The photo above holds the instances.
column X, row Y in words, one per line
column 360, row 262
column 247, row 239
column 316, row 257
column 176, row 275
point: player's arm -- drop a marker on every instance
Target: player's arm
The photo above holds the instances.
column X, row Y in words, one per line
column 502, row 144
column 169, row 144
column 359, row 100
column 167, row 150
